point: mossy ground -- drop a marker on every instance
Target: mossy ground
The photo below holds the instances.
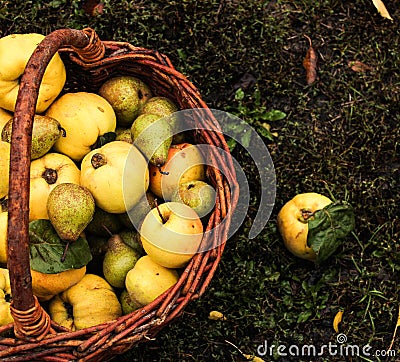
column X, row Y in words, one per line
column 340, row 136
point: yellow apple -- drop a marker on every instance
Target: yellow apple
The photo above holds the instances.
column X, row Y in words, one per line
column 85, row 117
column 15, row 51
column 4, row 167
column 147, row 280
column 171, row 234
column 184, row 163
column 293, row 222
column 116, row 175
column 89, row 302
column 46, row 173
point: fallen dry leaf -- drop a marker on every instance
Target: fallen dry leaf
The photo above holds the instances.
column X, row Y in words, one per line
column 93, row 7
column 337, row 319
column 358, row 66
column 310, row 63
column 215, row 315
column 395, row 330
column 382, row 9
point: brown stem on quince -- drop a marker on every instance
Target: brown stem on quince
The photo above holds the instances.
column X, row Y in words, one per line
column 98, row 160
column 306, row 214
column 50, row 175
column 63, row 131
column 159, row 212
column 161, row 171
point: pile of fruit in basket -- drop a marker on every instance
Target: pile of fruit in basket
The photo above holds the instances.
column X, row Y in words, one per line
column 118, row 198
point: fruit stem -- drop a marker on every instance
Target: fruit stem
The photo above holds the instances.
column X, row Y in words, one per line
column 63, row 131
column 159, row 212
column 108, row 230
column 161, row 171
column 306, row 214
column 65, row 252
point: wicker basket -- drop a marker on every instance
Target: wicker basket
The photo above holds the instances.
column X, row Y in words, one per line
column 89, row 62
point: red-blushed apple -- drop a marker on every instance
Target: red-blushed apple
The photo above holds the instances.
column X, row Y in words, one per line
column 184, row 163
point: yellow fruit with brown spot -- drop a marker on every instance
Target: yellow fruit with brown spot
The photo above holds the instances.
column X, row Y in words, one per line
column 147, row 280
column 293, row 222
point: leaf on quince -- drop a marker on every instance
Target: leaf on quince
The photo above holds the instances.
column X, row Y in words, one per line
column 103, row 139
column 47, row 248
column 329, row 227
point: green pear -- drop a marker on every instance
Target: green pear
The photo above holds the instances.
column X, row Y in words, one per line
column 127, row 95
column 133, row 218
column 124, row 134
column 70, row 208
column 104, row 223
column 45, row 132
column 164, row 107
column 152, row 135
column 132, row 239
column 199, row 195
column 161, row 106
column 127, row 303
column 118, row 260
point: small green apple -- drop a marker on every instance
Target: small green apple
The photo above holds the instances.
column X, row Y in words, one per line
column 199, row 195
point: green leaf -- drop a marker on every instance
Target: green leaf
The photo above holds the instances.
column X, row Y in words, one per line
column 46, row 249
column 239, row 95
column 273, row 115
column 265, row 133
column 329, row 227
column 231, row 143
column 103, row 139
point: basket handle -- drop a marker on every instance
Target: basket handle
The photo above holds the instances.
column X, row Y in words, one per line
column 89, row 48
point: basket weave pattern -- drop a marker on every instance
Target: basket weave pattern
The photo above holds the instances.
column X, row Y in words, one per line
column 89, row 62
